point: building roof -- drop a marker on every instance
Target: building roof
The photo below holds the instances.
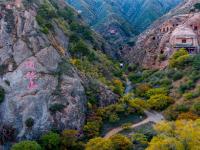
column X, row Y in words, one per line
column 183, row 31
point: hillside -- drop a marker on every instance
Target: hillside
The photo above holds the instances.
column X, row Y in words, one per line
column 156, row 45
column 60, row 90
column 120, row 21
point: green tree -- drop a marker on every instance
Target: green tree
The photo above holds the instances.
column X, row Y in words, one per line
column 99, row 144
column 50, row 141
column 160, row 101
column 26, row 145
column 80, row 49
column 179, row 58
column 92, row 129
column 121, row 142
column 69, row 139
column 139, row 138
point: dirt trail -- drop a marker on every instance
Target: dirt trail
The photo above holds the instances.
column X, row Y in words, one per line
column 152, row 116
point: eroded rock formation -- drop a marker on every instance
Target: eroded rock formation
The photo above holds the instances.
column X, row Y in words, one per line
column 32, row 78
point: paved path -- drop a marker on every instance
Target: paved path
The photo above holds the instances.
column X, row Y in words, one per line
column 152, row 116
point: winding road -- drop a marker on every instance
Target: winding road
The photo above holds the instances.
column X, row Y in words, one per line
column 152, row 116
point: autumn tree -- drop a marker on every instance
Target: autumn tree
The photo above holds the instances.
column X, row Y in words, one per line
column 178, row 135
column 99, row 144
column 121, row 142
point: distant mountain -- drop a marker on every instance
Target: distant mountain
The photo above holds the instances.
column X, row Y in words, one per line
column 118, row 20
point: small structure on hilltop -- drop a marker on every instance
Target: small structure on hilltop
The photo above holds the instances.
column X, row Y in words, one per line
column 185, row 37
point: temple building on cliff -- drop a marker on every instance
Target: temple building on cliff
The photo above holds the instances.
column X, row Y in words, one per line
column 185, row 37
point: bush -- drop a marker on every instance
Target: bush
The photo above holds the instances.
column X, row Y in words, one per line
column 188, row 86
column 80, row 49
column 29, row 122
column 99, row 144
column 196, row 108
column 92, row 129
column 187, row 116
column 182, row 108
column 177, row 75
column 56, row 107
column 190, row 95
column 26, row 145
column 121, row 142
column 50, row 141
column 141, row 89
column 139, row 138
column 156, row 91
column 118, row 87
column 69, row 139
column 179, row 58
column 113, row 118
column 160, row 101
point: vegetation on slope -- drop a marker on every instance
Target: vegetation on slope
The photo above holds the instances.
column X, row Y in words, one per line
column 175, row 91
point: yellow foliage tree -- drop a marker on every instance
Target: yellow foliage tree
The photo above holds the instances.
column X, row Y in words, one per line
column 178, row 135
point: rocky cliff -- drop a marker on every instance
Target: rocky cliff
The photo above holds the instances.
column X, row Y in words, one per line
column 40, row 83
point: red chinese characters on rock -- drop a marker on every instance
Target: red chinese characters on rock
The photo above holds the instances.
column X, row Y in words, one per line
column 31, row 75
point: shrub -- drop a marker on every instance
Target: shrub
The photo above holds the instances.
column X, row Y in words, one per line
column 92, row 129
column 182, row 108
column 121, row 142
column 187, row 116
column 118, row 87
column 191, row 95
column 187, row 86
column 80, row 49
column 69, row 139
column 66, row 13
column 138, row 103
column 50, row 141
column 99, row 144
column 160, row 101
column 139, row 138
column 56, row 107
column 196, row 108
column 26, row 145
column 29, row 122
column 177, row 76
column 196, row 62
column 179, row 58
column 156, row 91
column 113, row 118
column 135, row 77
column 141, row 89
